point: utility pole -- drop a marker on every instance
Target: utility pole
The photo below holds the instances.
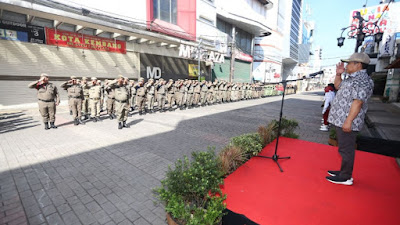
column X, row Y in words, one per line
column 199, row 56
column 232, row 74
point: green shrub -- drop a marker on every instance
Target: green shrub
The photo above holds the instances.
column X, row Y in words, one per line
column 185, row 190
column 231, row 157
column 251, row 144
column 287, row 127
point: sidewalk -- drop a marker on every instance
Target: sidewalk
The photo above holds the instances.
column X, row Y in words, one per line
column 383, row 121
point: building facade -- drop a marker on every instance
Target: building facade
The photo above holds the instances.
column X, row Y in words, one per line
column 149, row 39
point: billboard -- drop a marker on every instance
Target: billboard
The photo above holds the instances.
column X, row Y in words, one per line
column 78, row 40
column 15, row 31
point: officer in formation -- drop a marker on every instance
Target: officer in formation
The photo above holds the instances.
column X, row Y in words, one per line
column 75, row 97
column 121, row 91
column 86, row 98
column 48, row 99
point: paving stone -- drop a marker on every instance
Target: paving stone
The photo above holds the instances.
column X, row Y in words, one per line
column 36, row 220
column 54, row 219
column 70, row 218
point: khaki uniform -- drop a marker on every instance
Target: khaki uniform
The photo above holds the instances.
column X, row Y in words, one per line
column 210, row 94
column 190, row 92
column 133, row 96
column 48, row 97
column 170, row 94
column 228, row 92
column 140, row 97
column 150, row 89
column 95, row 96
column 181, row 96
column 203, row 94
column 121, row 102
column 85, row 101
column 110, row 100
column 161, row 90
column 75, row 96
column 196, row 90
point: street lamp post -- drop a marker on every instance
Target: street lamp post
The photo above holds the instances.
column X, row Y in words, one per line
column 360, row 32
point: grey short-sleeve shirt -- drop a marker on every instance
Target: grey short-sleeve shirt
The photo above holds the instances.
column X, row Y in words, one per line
column 357, row 85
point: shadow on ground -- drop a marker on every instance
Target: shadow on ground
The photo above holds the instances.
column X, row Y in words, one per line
column 115, row 182
column 10, row 122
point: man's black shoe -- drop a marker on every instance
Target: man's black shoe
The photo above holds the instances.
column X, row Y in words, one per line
column 120, row 125
column 125, row 125
column 94, row 119
column 52, row 125
column 111, row 117
column 333, row 173
column 76, row 122
column 46, row 126
column 80, row 122
column 339, row 180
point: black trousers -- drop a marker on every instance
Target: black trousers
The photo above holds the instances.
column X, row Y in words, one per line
column 347, row 148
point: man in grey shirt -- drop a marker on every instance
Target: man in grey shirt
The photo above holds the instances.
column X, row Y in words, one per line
column 348, row 111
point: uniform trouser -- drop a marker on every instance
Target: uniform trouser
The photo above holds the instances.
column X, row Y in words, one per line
column 122, row 109
column 228, row 96
column 101, row 103
column 140, row 102
column 85, row 106
column 47, row 110
column 110, row 106
column 203, row 96
column 179, row 98
column 94, row 108
column 189, row 100
column 171, row 99
column 161, row 101
column 210, row 97
column 347, row 145
column 132, row 101
column 184, row 97
column 75, row 105
column 150, row 102
column 196, row 99
column 215, row 96
column 221, row 96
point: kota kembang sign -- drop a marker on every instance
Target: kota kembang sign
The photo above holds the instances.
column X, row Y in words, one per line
column 77, row 40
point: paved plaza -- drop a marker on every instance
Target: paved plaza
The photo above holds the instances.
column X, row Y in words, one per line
column 97, row 174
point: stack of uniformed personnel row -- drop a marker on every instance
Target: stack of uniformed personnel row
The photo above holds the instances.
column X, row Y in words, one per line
column 122, row 96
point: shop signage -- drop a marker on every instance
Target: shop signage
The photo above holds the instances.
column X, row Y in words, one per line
column 78, row 40
column 244, row 57
column 16, row 31
column 190, row 52
column 157, row 66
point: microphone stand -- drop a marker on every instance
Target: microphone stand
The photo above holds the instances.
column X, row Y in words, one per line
column 276, row 157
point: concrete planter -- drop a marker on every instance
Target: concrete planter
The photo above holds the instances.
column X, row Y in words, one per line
column 170, row 220
column 333, row 142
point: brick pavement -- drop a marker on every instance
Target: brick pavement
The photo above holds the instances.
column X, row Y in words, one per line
column 97, row 174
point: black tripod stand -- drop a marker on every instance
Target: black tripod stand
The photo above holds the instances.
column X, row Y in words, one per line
column 276, row 157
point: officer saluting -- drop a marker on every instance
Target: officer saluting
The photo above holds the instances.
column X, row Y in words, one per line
column 75, row 96
column 48, row 99
column 121, row 92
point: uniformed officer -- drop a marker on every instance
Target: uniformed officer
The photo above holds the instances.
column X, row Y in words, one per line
column 121, row 91
column 190, row 93
column 150, row 90
column 161, row 91
column 48, row 99
column 171, row 93
column 75, row 96
column 132, row 100
column 110, row 100
column 203, row 94
column 140, row 95
column 210, row 93
column 196, row 90
column 85, row 102
column 95, row 96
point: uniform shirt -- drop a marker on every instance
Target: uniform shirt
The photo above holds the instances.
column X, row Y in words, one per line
column 140, row 90
column 95, row 92
column 46, row 92
column 161, row 89
column 121, row 93
column 73, row 90
column 357, row 85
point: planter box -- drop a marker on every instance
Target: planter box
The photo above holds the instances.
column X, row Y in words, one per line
column 171, row 221
column 332, row 142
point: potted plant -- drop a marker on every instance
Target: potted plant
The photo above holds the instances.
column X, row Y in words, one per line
column 191, row 190
column 332, row 137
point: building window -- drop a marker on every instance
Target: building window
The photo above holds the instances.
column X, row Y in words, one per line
column 165, row 10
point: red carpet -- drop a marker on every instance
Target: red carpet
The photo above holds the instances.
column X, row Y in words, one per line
column 302, row 195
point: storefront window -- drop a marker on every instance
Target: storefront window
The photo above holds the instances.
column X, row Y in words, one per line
column 165, row 10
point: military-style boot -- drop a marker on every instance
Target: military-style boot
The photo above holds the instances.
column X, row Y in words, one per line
column 80, row 122
column 52, row 125
column 120, row 125
column 76, row 122
column 111, row 117
column 125, row 125
column 98, row 118
column 46, row 126
column 94, row 119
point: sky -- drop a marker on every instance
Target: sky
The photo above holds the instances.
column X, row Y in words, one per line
column 330, row 16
